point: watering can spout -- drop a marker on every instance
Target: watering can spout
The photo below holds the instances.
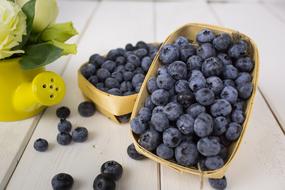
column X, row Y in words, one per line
column 46, row 89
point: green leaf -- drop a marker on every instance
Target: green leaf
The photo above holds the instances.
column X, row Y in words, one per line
column 40, row 55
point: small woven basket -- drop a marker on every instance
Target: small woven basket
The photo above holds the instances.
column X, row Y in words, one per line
column 190, row 31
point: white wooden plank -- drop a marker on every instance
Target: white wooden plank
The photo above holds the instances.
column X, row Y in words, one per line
column 277, row 9
column 114, row 24
column 258, row 163
column 14, row 136
column 268, row 32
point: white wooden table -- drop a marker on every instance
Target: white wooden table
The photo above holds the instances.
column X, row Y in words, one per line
column 260, row 162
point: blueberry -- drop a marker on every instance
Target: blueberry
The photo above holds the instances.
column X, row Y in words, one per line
column 233, row 132
column 186, row 154
column 194, row 62
column 102, row 74
column 218, row 184
column 142, row 52
column 230, row 94
column 168, row 54
column 224, row 152
column 206, row 51
column 64, row 126
column 118, row 76
column 63, row 112
column 184, row 99
column 62, row 181
column 129, row 47
column 172, row 137
column 124, row 118
column 238, row 50
column 126, row 86
column 158, row 109
column 145, row 64
column 120, row 60
column 230, row 72
column 112, row 83
column 220, row 125
column 159, row 121
column 162, row 70
column 240, row 105
column 96, row 60
column 173, row 111
column 222, row 42
column 104, row 182
column 165, row 81
column 100, row 86
column 163, row 151
column 141, row 44
column 137, row 79
column 182, row 87
column 215, row 84
column 205, row 96
column 229, row 82
column 109, row 65
column 212, row 67
column 132, row 152
column 138, row 126
column 243, row 78
column 120, row 68
column 130, row 66
column 226, row 60
column 93, row 79
column 205, row 35
column 214, row 162
column 86, row 109
column 245, row 91
column 245, row 64
column 203, row 125
column 112, row 169
column 186, row 51
column 238, row 116
column 178, row 70
column 113, row 54
column 135, row 60
column 128, row 75
column 148, row 103
column 144, row 114
column 152, row 51
column 185, row 124
column 197, row 82
column 41, row 145
column 88, row 70
column 221, row 107
column 160, row 97
column 181, row 40
column 64, row 138
column 150, row 140
column 195, row 109
column 80, row 134
column 151, row 85
column 208, row 146
column 139, row 70
column 138, row 87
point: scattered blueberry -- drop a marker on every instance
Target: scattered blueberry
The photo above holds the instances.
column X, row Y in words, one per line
column 104, row 182
column 41, row 145
column 86, row 109
column 80, row 134
column 64, row 126
column 64, row 138
column 62, row 181
column 132, row 152
column 63, row 112
column 112, row 169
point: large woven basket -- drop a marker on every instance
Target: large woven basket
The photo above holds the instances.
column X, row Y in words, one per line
column 190, row 31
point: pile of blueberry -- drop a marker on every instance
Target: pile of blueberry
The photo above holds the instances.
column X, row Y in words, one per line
column 197, row 101
column 122, row 71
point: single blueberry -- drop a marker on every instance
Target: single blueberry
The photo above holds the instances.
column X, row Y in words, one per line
column 220, row 125
column 243, row 78
column 218, row 184
column 238, row 50
column 230, row 72
column 215, row 84
column 86, row 109
column 186, row 51
column 144, row 114
column 205, row 36
column 208, row 146
column 205, row 96
column 230, row 94
column 221, row 107
column 214, row 162
column 63, row 112
column 64, row 126
column 226, row 60
column 113, row 54
column 245, row 64
column 182, row 87
column 233, row 132
column 93, row 79
column 141, row 52
column 186, row 154
column 197, row 82
column 181, row 40
column 168, row 54
column 148, row 103
column 159, row 121
column 104, row 182
column 121, row 60
column 171, row 137
column 88, row 70
column 96, row 60
column 185, row 124
column 222, row 42
column 137, row 79
column 203, row 125
column 126, row 86
column 109, row 65
column 206, row 51
column 102, row 74
column 112, row 83
column 178, row 70
column 238, row 116
column 146, row 62
column 162, row 70
column 112, row 169
column 212, row 67
column 128, row 75
column 173, row 111
column 64, row 138
column 158, row 109
column 118, row 76
column 151, row 85
column 184, row 99
column 195, row 109
column 194, row 62
column 135, row 60
column 80, row 134
column 160, row 97
column 165, row 81
column 130, row 66
column 41, row 145
column 245, row 90
column 164, row 152
column 132, row 152
column 150, row 140
column 62, row 181
column 229, row 82
column 138, row 126
column 129, row 47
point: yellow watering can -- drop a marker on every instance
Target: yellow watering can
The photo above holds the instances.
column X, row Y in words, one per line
column 25, row 93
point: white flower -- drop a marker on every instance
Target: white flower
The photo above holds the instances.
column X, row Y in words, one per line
column 12, row 28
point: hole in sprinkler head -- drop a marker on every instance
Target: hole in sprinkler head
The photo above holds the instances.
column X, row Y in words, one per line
column 52, row 80
column 51, row 86
column 44, row 86
column 56, row 89
column 51, row 96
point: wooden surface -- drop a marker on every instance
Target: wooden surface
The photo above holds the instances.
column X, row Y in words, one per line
column 104, row 25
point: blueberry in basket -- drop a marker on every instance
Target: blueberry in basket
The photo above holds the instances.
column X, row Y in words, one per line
column 122, row 71
column 197, row 101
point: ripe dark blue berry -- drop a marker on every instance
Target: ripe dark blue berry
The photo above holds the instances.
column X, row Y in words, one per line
column 112, row 169
column 88, row 70
column 86, row 109
column 160, row 97
column 138, row 126
column 93, row 79
column 64, row 138
column 206, row 51
column 230, row 72
column 63, row 112
column 132, row 152
column 112, row 83
column 243, row 78
column 178, row 70
column 185, row 124
column 172, row 137
column 165, row 152
column 109, row 65
column 205, row 96
column 215, row 84
column 80, row 134
column 181, row 40
column 173, row 111
column 150, row 140
column 159, row 121
column 104, row 182
column 245, row 64
column 195, row 109
column 212, row 67
column 203, row 125
column 221, row 107
column 233, row 132
column 64, row 126
column 226, row 60
column 151, row 85
column 146, row 62
column 186, row 154
column 238, row 50
column 222, row 42
column 230, row 94
column 41, row 145
column 96, row 60
column 208, row 146
column 218, row 184
column 62, row 181
column 186, row 51
column 205, row 36
column 164, row 82
column 194, row 62
column 220, row 125
column 245, row 91
column 238, row 116
column 168, row 54
column 102, row 74
column 214, row 162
